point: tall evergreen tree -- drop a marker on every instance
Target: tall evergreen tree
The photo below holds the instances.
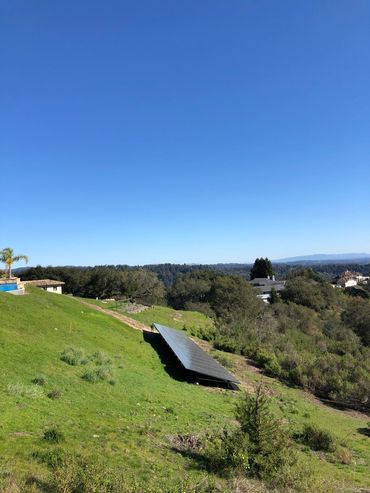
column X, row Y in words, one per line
column 262, row 267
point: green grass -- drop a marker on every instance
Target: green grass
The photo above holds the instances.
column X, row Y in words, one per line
column 129, row 423
column 194, row 323
column 178, row 319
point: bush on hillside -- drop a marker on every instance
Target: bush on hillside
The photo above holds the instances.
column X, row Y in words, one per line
column 309, row 292
column 317, row 439
column 102, row 373
column 357, row 317
column 223, row 360
column 227, row 345
column 260, row 446
column 100, row 358
column 39, row 380
column 73, row 356
column 269, row 361
column 53, row 435
column 55, row 394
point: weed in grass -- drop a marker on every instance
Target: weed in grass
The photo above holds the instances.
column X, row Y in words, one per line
column 66, row 475
column 102, row 373
column 100, row 358
column 53, row 435
column 55, row 394
column 21, row 390
column 39, row 380
column 344, row 456
column 105, row 372
column 90, row 376
column 9, row 483
column 51, row 458
column 73, row 356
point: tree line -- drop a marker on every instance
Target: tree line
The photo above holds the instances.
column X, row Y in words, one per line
column 312, row 336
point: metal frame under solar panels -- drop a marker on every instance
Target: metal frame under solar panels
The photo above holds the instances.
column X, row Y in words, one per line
column 192, row 357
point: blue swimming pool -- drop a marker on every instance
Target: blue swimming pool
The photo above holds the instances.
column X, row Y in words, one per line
column 8, row 287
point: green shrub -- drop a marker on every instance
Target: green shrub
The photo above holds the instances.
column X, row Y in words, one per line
column 269, row 362
column 316, row 439
column 269, row 442
column 260, row 447
column 227, row 345
column 102, row 373
column 228, row 450
column 73, row 356
column 100, row 358
column 90, row 376
column 53, row 435
column 52, row 457
column 223, row 360
column 55, row 394
column 39, row 380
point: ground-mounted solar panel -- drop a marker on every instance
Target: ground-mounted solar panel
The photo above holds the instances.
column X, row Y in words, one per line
column 192, row 357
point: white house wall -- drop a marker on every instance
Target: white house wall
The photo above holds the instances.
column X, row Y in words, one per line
column 54, row 289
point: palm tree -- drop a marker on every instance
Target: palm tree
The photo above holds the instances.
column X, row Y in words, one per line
column 8, row 258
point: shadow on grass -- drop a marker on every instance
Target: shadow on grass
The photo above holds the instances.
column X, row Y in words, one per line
column 42, row 486
column 171, row 364
column 199, row 461
column 364, row 431
column 175, row 369
column 339, row 406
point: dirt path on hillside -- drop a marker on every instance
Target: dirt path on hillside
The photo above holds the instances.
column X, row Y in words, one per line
column 241, row 363
column 135, row 324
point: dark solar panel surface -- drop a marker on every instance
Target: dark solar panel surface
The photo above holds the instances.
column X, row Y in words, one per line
column 192, row 357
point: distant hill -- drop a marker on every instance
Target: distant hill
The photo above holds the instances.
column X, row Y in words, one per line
column 342, row 258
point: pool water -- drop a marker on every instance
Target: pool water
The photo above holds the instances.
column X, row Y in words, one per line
column 8, row 287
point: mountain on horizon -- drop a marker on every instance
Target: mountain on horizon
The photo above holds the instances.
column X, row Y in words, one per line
column 322, row 257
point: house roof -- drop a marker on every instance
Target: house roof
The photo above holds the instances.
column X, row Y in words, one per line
column 264, row 284
column 45, row 283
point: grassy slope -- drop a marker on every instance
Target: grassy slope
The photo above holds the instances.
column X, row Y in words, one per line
column 161, row 314
column 293, row 404
column 133, row 418
column 130, row 418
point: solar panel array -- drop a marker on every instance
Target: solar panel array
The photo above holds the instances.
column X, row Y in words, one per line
column 192, row 357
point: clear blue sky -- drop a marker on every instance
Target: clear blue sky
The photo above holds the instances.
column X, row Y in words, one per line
column 184, row 131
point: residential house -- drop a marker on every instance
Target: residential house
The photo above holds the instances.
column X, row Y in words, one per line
column 48, row 285
column 264, row 286
column 350, row 279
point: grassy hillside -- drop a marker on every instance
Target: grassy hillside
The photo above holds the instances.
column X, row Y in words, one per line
column 132, row 420
column 178, row 319
column 129, row 422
